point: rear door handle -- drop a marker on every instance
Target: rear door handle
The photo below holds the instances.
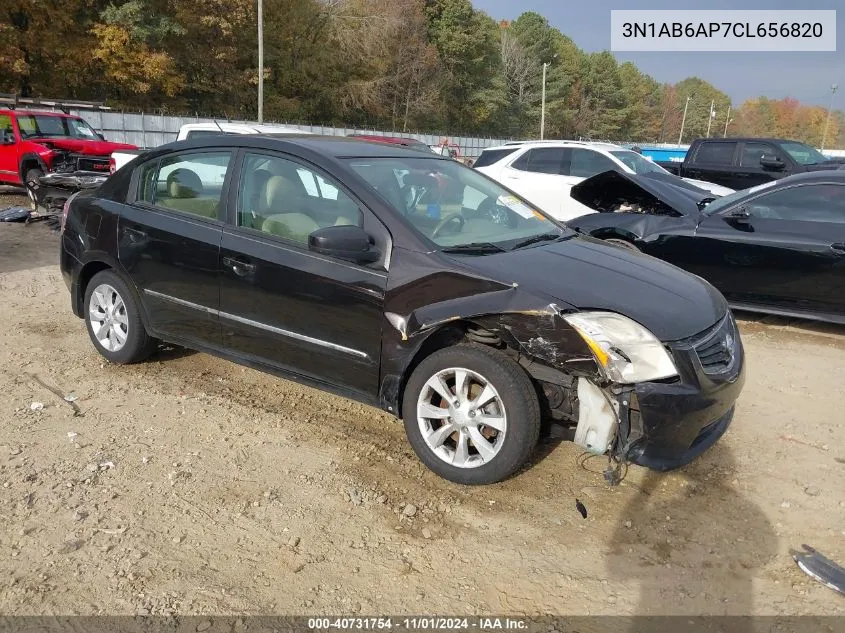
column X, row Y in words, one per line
column 239, row 267
column 134, row 235
column 838, row 246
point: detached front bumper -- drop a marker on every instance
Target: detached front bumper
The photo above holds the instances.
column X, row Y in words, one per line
column 53, row 189
column 672, row 423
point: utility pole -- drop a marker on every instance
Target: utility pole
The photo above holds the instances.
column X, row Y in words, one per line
column 543, row 100
column 260, row 61
column 710, row 118
column 543, row 104
column 683, row 121
column 727, row 120
column 833, row 90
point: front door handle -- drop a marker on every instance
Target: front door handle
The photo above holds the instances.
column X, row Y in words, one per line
column 239, row 267
column 838, row 246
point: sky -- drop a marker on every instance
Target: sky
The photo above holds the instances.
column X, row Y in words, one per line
column 806, row 76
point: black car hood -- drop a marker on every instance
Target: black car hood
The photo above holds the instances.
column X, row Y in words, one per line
column 590, row 275
column 603, row 192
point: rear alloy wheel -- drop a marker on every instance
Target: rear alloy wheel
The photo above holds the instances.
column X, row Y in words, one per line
column 113, row 320
column 30, row 181
column 623, row 244
column 471, row 414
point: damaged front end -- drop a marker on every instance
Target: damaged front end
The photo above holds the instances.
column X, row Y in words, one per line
column 52, row 190
column 603, row 380
column 650, row 194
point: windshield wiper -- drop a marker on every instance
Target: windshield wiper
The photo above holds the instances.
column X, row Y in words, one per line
column 543, row 237
column 474, row 247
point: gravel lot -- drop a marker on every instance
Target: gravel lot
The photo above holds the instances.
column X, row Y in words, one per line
column 191, row 485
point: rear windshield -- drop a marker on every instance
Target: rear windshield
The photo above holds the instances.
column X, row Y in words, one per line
column 490, row 156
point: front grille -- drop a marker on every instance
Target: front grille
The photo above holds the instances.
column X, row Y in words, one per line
column 717, row 348
column 93, row 163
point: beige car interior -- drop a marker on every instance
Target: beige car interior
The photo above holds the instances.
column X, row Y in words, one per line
column 274, row 200
column 184, row 191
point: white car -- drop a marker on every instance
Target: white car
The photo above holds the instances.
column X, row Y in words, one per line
column 196, row 130
column 543, row 172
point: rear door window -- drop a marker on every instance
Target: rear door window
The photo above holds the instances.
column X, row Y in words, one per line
column 716, row 153
column 490, row 156
column 186, row 183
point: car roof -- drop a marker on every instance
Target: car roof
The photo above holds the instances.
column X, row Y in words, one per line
column 747, row 139
column 397, row 140
column 39, row 112
column 331, row 146
column 251, row 127
column 514, row 145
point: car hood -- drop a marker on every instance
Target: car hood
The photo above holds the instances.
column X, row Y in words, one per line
column 82, row 146
column 604, row 191
column 588, row 274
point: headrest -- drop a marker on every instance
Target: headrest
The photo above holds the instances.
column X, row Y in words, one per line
column 278, row 192
column 184, row 183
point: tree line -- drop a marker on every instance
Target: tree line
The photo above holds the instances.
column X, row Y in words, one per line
column 427, row 65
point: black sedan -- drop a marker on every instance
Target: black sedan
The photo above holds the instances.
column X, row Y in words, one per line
column 409, row 282
column 777, row 248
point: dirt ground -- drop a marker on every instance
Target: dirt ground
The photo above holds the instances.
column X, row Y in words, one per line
column 191, row 485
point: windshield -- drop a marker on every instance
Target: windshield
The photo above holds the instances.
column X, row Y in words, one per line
column 725, row 201
column 35, row 125
column 454, row 206
column 637, row 163
column 803, row 154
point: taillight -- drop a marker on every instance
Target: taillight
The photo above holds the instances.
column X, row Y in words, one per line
column 65, row 210
column 112, row 165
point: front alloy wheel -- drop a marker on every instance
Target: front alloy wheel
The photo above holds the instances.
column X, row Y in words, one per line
column 471, row 414
column 461, row 417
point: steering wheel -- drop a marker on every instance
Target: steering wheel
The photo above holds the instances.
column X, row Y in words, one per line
column 449, row 218
column 496, row 213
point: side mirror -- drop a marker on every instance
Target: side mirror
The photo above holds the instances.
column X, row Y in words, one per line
column 6, row 137
column 101, row 136
column 739, row 216
column 770, row 161
column 351, row 243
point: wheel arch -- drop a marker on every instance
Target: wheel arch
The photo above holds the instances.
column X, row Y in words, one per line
column 31, row 161
column 614, row 232
column 87, row 273
column 448, row 335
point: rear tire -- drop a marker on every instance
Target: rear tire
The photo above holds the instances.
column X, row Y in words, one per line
column 483, row 432
column 113, row 319
column 623, row 244
column 30, row 181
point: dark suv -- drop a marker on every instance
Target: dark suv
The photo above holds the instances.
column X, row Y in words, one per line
column 740, row 163
column 409, row 282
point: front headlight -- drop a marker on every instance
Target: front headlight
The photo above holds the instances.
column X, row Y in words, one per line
column 625, row 350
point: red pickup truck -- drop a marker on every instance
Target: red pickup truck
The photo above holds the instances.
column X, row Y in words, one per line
column 34, row 143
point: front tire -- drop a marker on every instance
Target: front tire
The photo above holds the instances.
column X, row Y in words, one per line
column 471, row 414
column 113, row 319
